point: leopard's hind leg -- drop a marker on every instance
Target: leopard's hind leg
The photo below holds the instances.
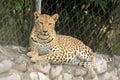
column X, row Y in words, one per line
column 89, row 67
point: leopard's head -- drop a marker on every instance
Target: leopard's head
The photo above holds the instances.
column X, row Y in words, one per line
column 45, row 25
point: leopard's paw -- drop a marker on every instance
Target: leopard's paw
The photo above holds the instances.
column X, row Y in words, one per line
column 29, row 54
column 95, row 67
column 94, row 64
column 91, row 74
column 34, row 59
column 32, row 54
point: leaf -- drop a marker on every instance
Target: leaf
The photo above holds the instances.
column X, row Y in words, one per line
column 103, row 5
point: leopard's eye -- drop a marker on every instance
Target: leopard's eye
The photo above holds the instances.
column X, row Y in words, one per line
column 50, row 23
column 41, row 23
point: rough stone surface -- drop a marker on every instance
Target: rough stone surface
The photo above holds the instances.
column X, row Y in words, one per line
column 88, row 78
column 80, row 71
column 101, row 65
column 15, row 65
column 11, row 76
column 68, row 76
column 43, row 67
column 78, row 78
column 56, row 70
column 38, row 76
column 60, row 77
column 5, row 66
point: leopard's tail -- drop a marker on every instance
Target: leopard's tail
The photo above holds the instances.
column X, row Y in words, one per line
column 108, row 59
column 109, row 51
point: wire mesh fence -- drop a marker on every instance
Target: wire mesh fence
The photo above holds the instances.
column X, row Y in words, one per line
column 95, row 22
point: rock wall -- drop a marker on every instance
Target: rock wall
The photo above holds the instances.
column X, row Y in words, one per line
column 15, row 65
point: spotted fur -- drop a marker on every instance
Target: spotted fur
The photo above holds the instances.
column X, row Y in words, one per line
column 46, row 45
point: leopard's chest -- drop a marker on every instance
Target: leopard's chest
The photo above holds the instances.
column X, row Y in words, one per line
column 44, row 49
column 47, row 48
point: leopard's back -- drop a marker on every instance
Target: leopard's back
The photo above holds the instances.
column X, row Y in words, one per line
column 70, row 43
column 74, row 48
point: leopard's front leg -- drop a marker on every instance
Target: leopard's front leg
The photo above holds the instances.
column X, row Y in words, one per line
column 53, row 58
column 94, row 63
column 92, row 67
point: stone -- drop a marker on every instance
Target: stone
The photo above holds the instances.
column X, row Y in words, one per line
column 109, row 76
column 42, row 66
column 56, row 70
column 20, row 63
column 101, row 65
column 5, row 66
column 105, row 76
column 68, row 76
column 12, row 76
column 78, row 78
column 119, row 71
column 15, row 65
column 60, row 77
column 9, row 52
column 112, row 75
column 69, row 69
column 2, row 56
column 19, row 49
column 38, row 76
column 95, row 78
column 80, row 71
column 25, row 76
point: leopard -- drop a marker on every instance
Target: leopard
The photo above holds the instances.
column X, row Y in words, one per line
column 47, row 45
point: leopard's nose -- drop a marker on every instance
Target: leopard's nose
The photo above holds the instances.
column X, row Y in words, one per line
column 44, row 31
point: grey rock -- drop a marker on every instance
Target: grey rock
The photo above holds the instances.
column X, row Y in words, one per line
column 11, row 76
column 101, row 65
column 68, row 76
column 80, row 71
column 69, row 69
column 105, row 76
column 5, row 66
column 42, row 66
column 38, row 76
column 9, row 52
column 19, row 49
column 119, row 71
column 78, row 78
column 20, row 63
column 109, row 76
column 2, row 56
column 56, row 70
column 88, row 77
column 60, row 77
column 15, row 65
column 25, row 76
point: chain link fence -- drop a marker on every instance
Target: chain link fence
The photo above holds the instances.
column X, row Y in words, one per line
column 95, row 22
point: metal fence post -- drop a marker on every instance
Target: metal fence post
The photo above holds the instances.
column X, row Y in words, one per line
column 38, row 5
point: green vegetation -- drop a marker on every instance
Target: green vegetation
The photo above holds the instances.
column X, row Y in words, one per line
column 92, row 21
column 16, row 22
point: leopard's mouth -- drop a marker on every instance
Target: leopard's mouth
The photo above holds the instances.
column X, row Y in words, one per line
column 44, row 33
column 43, row 36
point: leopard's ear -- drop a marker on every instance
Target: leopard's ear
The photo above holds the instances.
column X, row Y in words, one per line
column 36, row 15
column 55, row 17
